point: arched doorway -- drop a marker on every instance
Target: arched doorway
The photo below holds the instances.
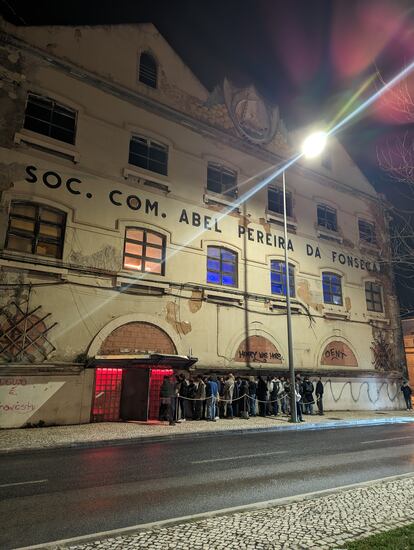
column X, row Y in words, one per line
column 130, row 365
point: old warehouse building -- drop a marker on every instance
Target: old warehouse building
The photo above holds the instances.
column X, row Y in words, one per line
column 118, row 262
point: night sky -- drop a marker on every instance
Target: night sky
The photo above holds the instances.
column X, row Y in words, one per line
column 308, row 56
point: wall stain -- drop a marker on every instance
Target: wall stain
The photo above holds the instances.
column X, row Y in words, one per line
column 348, row 303
column 107, row 258
column 196, row 301
column 180, row 327
column 305, row 294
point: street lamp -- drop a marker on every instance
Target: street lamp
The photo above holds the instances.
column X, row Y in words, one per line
column 312, row 147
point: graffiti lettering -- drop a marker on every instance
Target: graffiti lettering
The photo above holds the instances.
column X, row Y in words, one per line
column 17, row 407
column 333, row 353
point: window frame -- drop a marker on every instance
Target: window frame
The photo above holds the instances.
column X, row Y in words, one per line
column 222, row 170
column 55, row 105
column 148, row 75
column 371, row 233
column 331, row 294
column 371, row 293
column 322, row 212
column 36, row 236
column 282, row 273
column 151, row 144
column 289, row 201
column 144, row 243
column 222, row 273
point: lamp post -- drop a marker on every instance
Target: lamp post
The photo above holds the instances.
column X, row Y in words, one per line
column 312, row 146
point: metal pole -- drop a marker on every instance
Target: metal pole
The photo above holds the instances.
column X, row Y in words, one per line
column 293, row 412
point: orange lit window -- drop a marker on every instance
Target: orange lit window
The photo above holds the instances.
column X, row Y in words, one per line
column 144, row 251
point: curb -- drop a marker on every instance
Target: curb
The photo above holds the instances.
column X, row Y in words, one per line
column 191, row 435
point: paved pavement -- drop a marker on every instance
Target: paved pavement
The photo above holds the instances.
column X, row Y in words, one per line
column 322, row 522
column 120, row 432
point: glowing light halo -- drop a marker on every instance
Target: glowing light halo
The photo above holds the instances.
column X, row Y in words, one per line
column 397, row 78
column 314, row 144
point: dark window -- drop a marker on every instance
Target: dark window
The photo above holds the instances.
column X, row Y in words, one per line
column 148, row 70
column 327, row 217
column 221, row 266
column 49, row 118
column 36, row 229
column 148, row 154
column 278, row 278
column 367, row 231
column 332, row 289
column 373, row 296
column 221, row 180
column 144, row 251
column 275, row 201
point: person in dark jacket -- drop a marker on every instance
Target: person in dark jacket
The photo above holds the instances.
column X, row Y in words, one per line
column 407, row 392
column 319, row 396
column 262, row 395
column 200, row 396
column 307, row 388
column 168, row 397
column 252, row 395
column 244, row 401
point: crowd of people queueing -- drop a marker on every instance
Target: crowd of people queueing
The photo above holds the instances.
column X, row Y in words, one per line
column 213, row 397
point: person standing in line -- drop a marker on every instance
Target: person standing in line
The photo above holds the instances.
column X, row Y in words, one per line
column 228, row 396
column 261, row 395
column 244, row 401
column 407, row 392
column 212, row 394
column 287, row 398
column 200, row 395
column 298, row 399
column 308, row 389
column 252, row 395
column 269, row 405
column 319, row 396
column 275, row 395
column 168, row 395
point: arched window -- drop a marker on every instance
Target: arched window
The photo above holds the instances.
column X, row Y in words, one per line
column 332, row 288
column 36, row 229
column 221, row 266
column 144, row 250
column 148, row 70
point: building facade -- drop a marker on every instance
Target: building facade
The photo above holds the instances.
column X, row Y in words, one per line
column 141, row 233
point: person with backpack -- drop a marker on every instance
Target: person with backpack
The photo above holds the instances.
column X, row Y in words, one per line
column 308, row 390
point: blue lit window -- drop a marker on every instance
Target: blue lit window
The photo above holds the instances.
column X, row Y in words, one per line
column 278, row 278
column 221, row 266
column 332, row 289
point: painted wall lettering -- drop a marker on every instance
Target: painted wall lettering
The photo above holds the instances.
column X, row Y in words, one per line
column 198, row 220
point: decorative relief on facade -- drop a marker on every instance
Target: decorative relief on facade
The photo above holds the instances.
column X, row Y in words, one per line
column 252, row 117
column 23, row 333
column 337, row 353
column 137, row 338
column 257, row 349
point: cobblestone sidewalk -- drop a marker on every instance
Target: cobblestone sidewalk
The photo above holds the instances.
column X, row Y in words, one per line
column 99, row 433
column 325, row 522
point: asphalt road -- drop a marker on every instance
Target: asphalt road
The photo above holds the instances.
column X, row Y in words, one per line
column 51, row 495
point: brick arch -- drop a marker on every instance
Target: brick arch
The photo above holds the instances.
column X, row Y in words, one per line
column 258, row 349
column 137, row 337
column 339, row 354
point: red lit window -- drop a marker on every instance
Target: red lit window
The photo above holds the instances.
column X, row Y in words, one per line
column 144, row 250
column 107, row 398
column 157, row 377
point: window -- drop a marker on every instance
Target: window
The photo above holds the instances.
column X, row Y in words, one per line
column 148, row 70
column 332, row 289
column 148, row 154
column 221, row 266
column 373, row 297
column 221, row 180
column 278, row 278
column 327, row 217
column 144, row 251
column 367, row 232
column 49, row 118
column 36, row 229
column 275, row 201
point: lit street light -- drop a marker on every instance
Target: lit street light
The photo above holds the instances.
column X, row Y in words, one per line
column 312, row 147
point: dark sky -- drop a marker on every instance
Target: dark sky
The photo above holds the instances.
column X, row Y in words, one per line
column 308, row 56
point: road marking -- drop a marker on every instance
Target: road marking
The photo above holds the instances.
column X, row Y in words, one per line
column 124, row 531
column 24, row 483
column 388, row 439
column 237, row 457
